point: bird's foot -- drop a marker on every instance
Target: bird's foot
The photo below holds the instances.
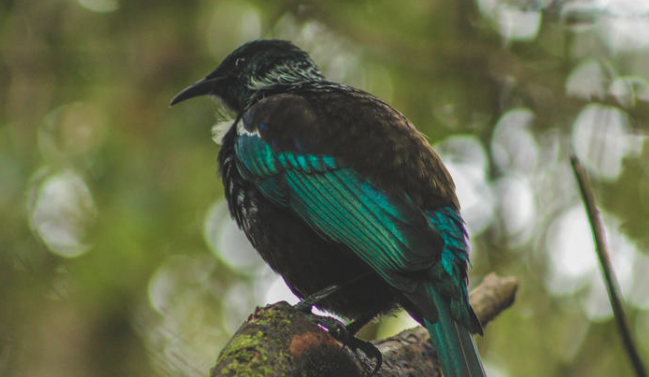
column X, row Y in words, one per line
column 342, row 333
column 370, row 351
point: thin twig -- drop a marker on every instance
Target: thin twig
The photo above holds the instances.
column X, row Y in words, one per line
column 605, row 262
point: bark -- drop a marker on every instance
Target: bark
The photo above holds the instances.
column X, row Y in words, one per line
column 280, row 341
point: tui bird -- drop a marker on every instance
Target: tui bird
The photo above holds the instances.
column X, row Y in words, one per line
column 334, row 187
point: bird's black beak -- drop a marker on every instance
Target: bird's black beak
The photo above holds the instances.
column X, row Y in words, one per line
column 199, row 88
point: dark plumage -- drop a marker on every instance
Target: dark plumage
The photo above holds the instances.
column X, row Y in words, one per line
column 332, row 185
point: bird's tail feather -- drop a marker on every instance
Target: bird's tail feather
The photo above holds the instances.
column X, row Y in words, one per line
column 456, row 350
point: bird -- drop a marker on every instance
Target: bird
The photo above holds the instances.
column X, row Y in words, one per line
column 336, row 188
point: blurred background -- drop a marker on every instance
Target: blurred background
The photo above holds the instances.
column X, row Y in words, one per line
column 117, row 255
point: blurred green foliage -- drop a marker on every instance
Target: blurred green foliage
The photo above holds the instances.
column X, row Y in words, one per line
column 117, row 254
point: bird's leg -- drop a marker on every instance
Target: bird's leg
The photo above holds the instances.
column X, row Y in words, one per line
column 358, row 324
column 307, row 303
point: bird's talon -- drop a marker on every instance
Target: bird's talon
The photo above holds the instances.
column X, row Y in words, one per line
column 341, row 333
column 370, row 351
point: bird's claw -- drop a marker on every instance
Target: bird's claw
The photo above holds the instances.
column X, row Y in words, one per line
column 344, row 334
column 369, row 350
column 341, row 333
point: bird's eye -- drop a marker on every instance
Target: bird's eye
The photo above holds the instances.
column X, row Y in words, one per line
column 239, row 62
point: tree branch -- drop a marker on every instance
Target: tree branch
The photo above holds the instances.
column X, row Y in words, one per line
column 278, row 338
column 607, row 269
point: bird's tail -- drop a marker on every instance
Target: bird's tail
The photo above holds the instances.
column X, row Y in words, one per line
column 457, row 353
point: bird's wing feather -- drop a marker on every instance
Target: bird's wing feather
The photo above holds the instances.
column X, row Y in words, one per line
column 343, row 207
column 387, row 231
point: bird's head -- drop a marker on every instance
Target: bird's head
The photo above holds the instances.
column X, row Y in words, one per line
column 252, row 68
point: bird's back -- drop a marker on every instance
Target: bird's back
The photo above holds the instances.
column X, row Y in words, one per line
column 363, row 134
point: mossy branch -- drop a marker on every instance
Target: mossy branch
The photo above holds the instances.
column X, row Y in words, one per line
column 280, row 341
